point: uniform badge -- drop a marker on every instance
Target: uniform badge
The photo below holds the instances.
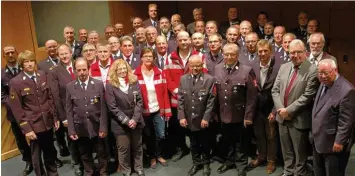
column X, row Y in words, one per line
column 92, row 82
column 96, row 100
column 26, row 89
column 235, row 89
column 7, row 70
column 236, row 67
column 12, row 96
column 44, row 83
column 24, row 78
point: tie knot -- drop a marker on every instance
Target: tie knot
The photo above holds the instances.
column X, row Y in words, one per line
column 296, row 67
column 83, row 84
column 70, row 69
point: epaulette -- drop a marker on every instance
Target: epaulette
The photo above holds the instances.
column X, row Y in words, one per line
column 52, row 67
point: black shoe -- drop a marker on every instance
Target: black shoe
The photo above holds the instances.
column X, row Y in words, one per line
column 141, row 173
column 194, row 170
column 206, row 170
column 224, row 168
column 180, row 153
column 58, row 163
column 242, row 173
column 28, row 169
column 64, row 151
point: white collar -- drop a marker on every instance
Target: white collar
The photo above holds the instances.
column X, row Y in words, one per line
column 266, row 66
column 29, row 76
column 70, row 65
column 11, row 68
column 130, row 57
column 108, row 63
column 86, row 82
column 317, row 58
column 160, row 56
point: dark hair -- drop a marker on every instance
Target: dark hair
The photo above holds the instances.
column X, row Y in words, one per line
column 263, row 13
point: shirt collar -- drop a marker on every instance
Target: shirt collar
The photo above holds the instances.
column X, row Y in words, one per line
column 160, row 56
column 34, row 74
column 11, row 68
column 130, row 57
column 108, row 63
column 266, row 66
column 86, row 82
column 70, row 65
column 317, row 58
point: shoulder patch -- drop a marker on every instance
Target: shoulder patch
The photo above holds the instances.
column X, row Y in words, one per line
column 12, row 96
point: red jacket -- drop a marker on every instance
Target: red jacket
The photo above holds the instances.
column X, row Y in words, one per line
column 175, row 69
column 95, row 71
column 161, row 90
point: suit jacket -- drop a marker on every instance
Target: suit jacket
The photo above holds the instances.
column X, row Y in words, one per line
column 324, row 56
column 196, row 101
column 223, row 26
column 124, row 107
column 333, row 116
column 172, row 46
column 78, row 47
column 190, row 28
column 46, row 65
column 86, row 109
column 265, row 102
column 135, row 62
column 157, row 60
column 236, row 92
column 211, row 62
column 299, row 34
column 244, row 58
column 147, row 23
column 280, row 57
column 32, row 103
column 301, row 96
column 58, row 78
column 259, row 32
column 6, row 76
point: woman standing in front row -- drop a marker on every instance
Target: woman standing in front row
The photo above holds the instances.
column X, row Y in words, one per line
column 156, row 105
column 124, row 100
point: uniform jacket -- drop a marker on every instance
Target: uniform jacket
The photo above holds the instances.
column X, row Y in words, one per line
column 58, row 78
column 6, row 76
column 244, row 58
column 333, row 116
column 236, row 92
column 124, row 107
column 280, row 57
column 196, row 101
column 46, row 65
column 86, row 109
column 301, row 96
column 78, row 47
column 161, row 89
column 211, row 62
column 32, row 103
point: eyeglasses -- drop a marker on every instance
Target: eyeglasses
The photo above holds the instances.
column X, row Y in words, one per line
column 326, row 74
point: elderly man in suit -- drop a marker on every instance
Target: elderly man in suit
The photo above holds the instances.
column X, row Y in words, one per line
column 114, row 43
column 316, row 44
column 76, row 46
column 162, row 52
column 195, row 104
column 264, row 123
column 293, row 93
column 86, row 113
column 127, row 48
column 301, row 30
column 52, row 60
column 153, row 16
column 283, row 56
column 236, row 93
column 262, row 18
column 245, row 28
column 11, row 70
column 249, row 56
column 32, row 105
column 333, row 128
column 279, row 32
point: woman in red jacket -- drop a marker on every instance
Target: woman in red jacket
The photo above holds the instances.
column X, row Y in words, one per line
column 156, row 105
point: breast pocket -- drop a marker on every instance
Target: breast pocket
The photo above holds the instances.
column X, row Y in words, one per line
column 75, row 100
column 28, row 96
column 238, row 87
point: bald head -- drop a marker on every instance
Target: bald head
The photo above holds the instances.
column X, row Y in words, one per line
column 195, row 64
column 183, row 34
column 245, row 27
column 51, row 48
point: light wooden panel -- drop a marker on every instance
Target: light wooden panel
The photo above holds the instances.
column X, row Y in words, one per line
column 8, row 142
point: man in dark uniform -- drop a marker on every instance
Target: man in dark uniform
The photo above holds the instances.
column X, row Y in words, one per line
column 233, row 18
column 10, row 71
column 58, row 78
column 76, row 46
column 237, row 93
column 264, row 122
column 249, row 56
column 52, row 60
column 32, row 105
column 87, row 117
column 195, row 104
column 301, row 30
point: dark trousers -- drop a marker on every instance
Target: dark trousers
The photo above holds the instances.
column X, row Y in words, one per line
column 231, row 133
column 60, row 136
column 265, row 133
column 177, row 134
column 330, row 164
column 154, row 134
column 214, row 129
column 73, row 146
column 200, row 147
column 86, row 147
column 21, row 142
column 44, row 144
column 129, row 147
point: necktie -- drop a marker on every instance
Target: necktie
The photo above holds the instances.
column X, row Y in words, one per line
column 154, row 24
column 115, row 57
column 286, row 58
column 288, row 89
column 229, row 70
column 71, row 73
column 325, row 89
column 55, row 61
column 83, row 86
column 128, row 61
column 162, row 63
column 33, row 78
column 15, row 71
column 251, row 57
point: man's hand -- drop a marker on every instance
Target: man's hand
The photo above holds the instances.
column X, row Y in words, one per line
column 57, row 125
column 271, row 116
column 183, row 123
column 74, row 137
column 337, row 147
column 204, row 123
column 132, row 124
column 65, row 123
column 247, row 123
column 102, row 134
column 31, row 135
column 283, row 113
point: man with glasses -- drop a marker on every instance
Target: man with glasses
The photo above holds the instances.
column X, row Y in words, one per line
column 237, row 95
column 293, row 92
column 250, row 55
column 316, row 44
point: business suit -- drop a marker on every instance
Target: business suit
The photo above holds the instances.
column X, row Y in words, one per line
column 47, row 64
column 86, row 113
column 32, row 106
column 23, row 147
column 260, row 31
column 125, row 107
column 134, row 60
column 157, row 60
column 148, row 22
column 246, row 58
column 294, row 132
column 300, row 32
column 77, row 48
column 236, row 93
column 325, row 55
column 333, row 122
column 195, row 103
column 223, row 27
column 265, row 130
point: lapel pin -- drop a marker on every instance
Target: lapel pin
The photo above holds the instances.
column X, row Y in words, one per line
column 7, row 70
column 24, row 78
column 48, row 60
column 92, row 82
column 134, row 59
column 201, row 78
column 236, row 67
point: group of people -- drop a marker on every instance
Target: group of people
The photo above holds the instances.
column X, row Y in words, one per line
column 228, row 87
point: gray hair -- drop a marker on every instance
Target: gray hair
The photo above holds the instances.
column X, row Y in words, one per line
column 330, row 62
column 297, row 42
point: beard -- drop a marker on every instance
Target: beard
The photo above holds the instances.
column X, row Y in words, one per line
column 165, row 31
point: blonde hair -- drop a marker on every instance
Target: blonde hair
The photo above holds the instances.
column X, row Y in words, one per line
column 113, row 77
column 26, row 56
